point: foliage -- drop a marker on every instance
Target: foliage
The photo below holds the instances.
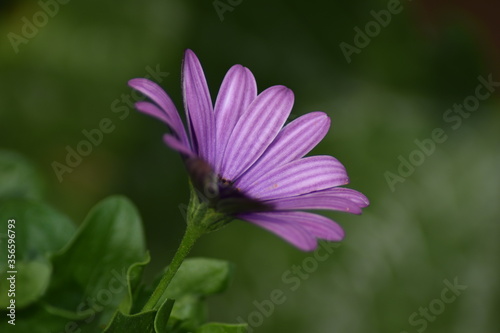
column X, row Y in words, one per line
column 90, row 278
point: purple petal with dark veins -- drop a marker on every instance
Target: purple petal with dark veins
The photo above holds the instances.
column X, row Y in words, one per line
column 237, row 91
column 255, row 130
column 318, row 225
column 160, row 98
column 299, row 228
column 198, row 105
column 154, row 111
column 343, row 193
column 177, row 145
column 293, row 233
column 294, row 141
column 308, row 201
column 298, row 177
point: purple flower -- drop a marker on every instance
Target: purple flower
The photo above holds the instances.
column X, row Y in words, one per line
column 246, row 163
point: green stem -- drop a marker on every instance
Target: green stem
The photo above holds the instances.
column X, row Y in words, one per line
column 193, row 232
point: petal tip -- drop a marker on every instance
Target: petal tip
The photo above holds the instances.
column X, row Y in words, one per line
column 307, row 247
column 189, row 56
column 135, row 82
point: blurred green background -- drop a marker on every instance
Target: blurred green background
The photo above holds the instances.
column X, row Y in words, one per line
column 442, row 223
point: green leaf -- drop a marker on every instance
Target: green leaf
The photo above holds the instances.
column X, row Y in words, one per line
column 151, row 321
column 222, row 328
column 125, row 320
column 200, row 276
column 163, row 315
column 36, row 319
column 188, row 313
column 30, row 283
column 39, row 229
column 18, row 178
column 37, row 232
column 124, row 323
column 134, row 275
column 90, row 274
column 196, row 278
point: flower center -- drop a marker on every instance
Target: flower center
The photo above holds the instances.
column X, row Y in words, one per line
column 219, row 192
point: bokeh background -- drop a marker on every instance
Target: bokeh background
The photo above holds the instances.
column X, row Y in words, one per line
column 441, row 223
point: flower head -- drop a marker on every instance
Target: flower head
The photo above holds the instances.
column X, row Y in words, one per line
column 246, row 163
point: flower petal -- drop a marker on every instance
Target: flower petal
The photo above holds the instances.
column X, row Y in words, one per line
column 177, row 145
column 314, row 201
column 299, row 228
column 298, row 177
column 256, row 129
column 294, row 141
column 237, row 91
column 318, row 225
column 292, row 232
column 345, row 193
column 198, row 105
column 160, row 97
column 154, row 111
